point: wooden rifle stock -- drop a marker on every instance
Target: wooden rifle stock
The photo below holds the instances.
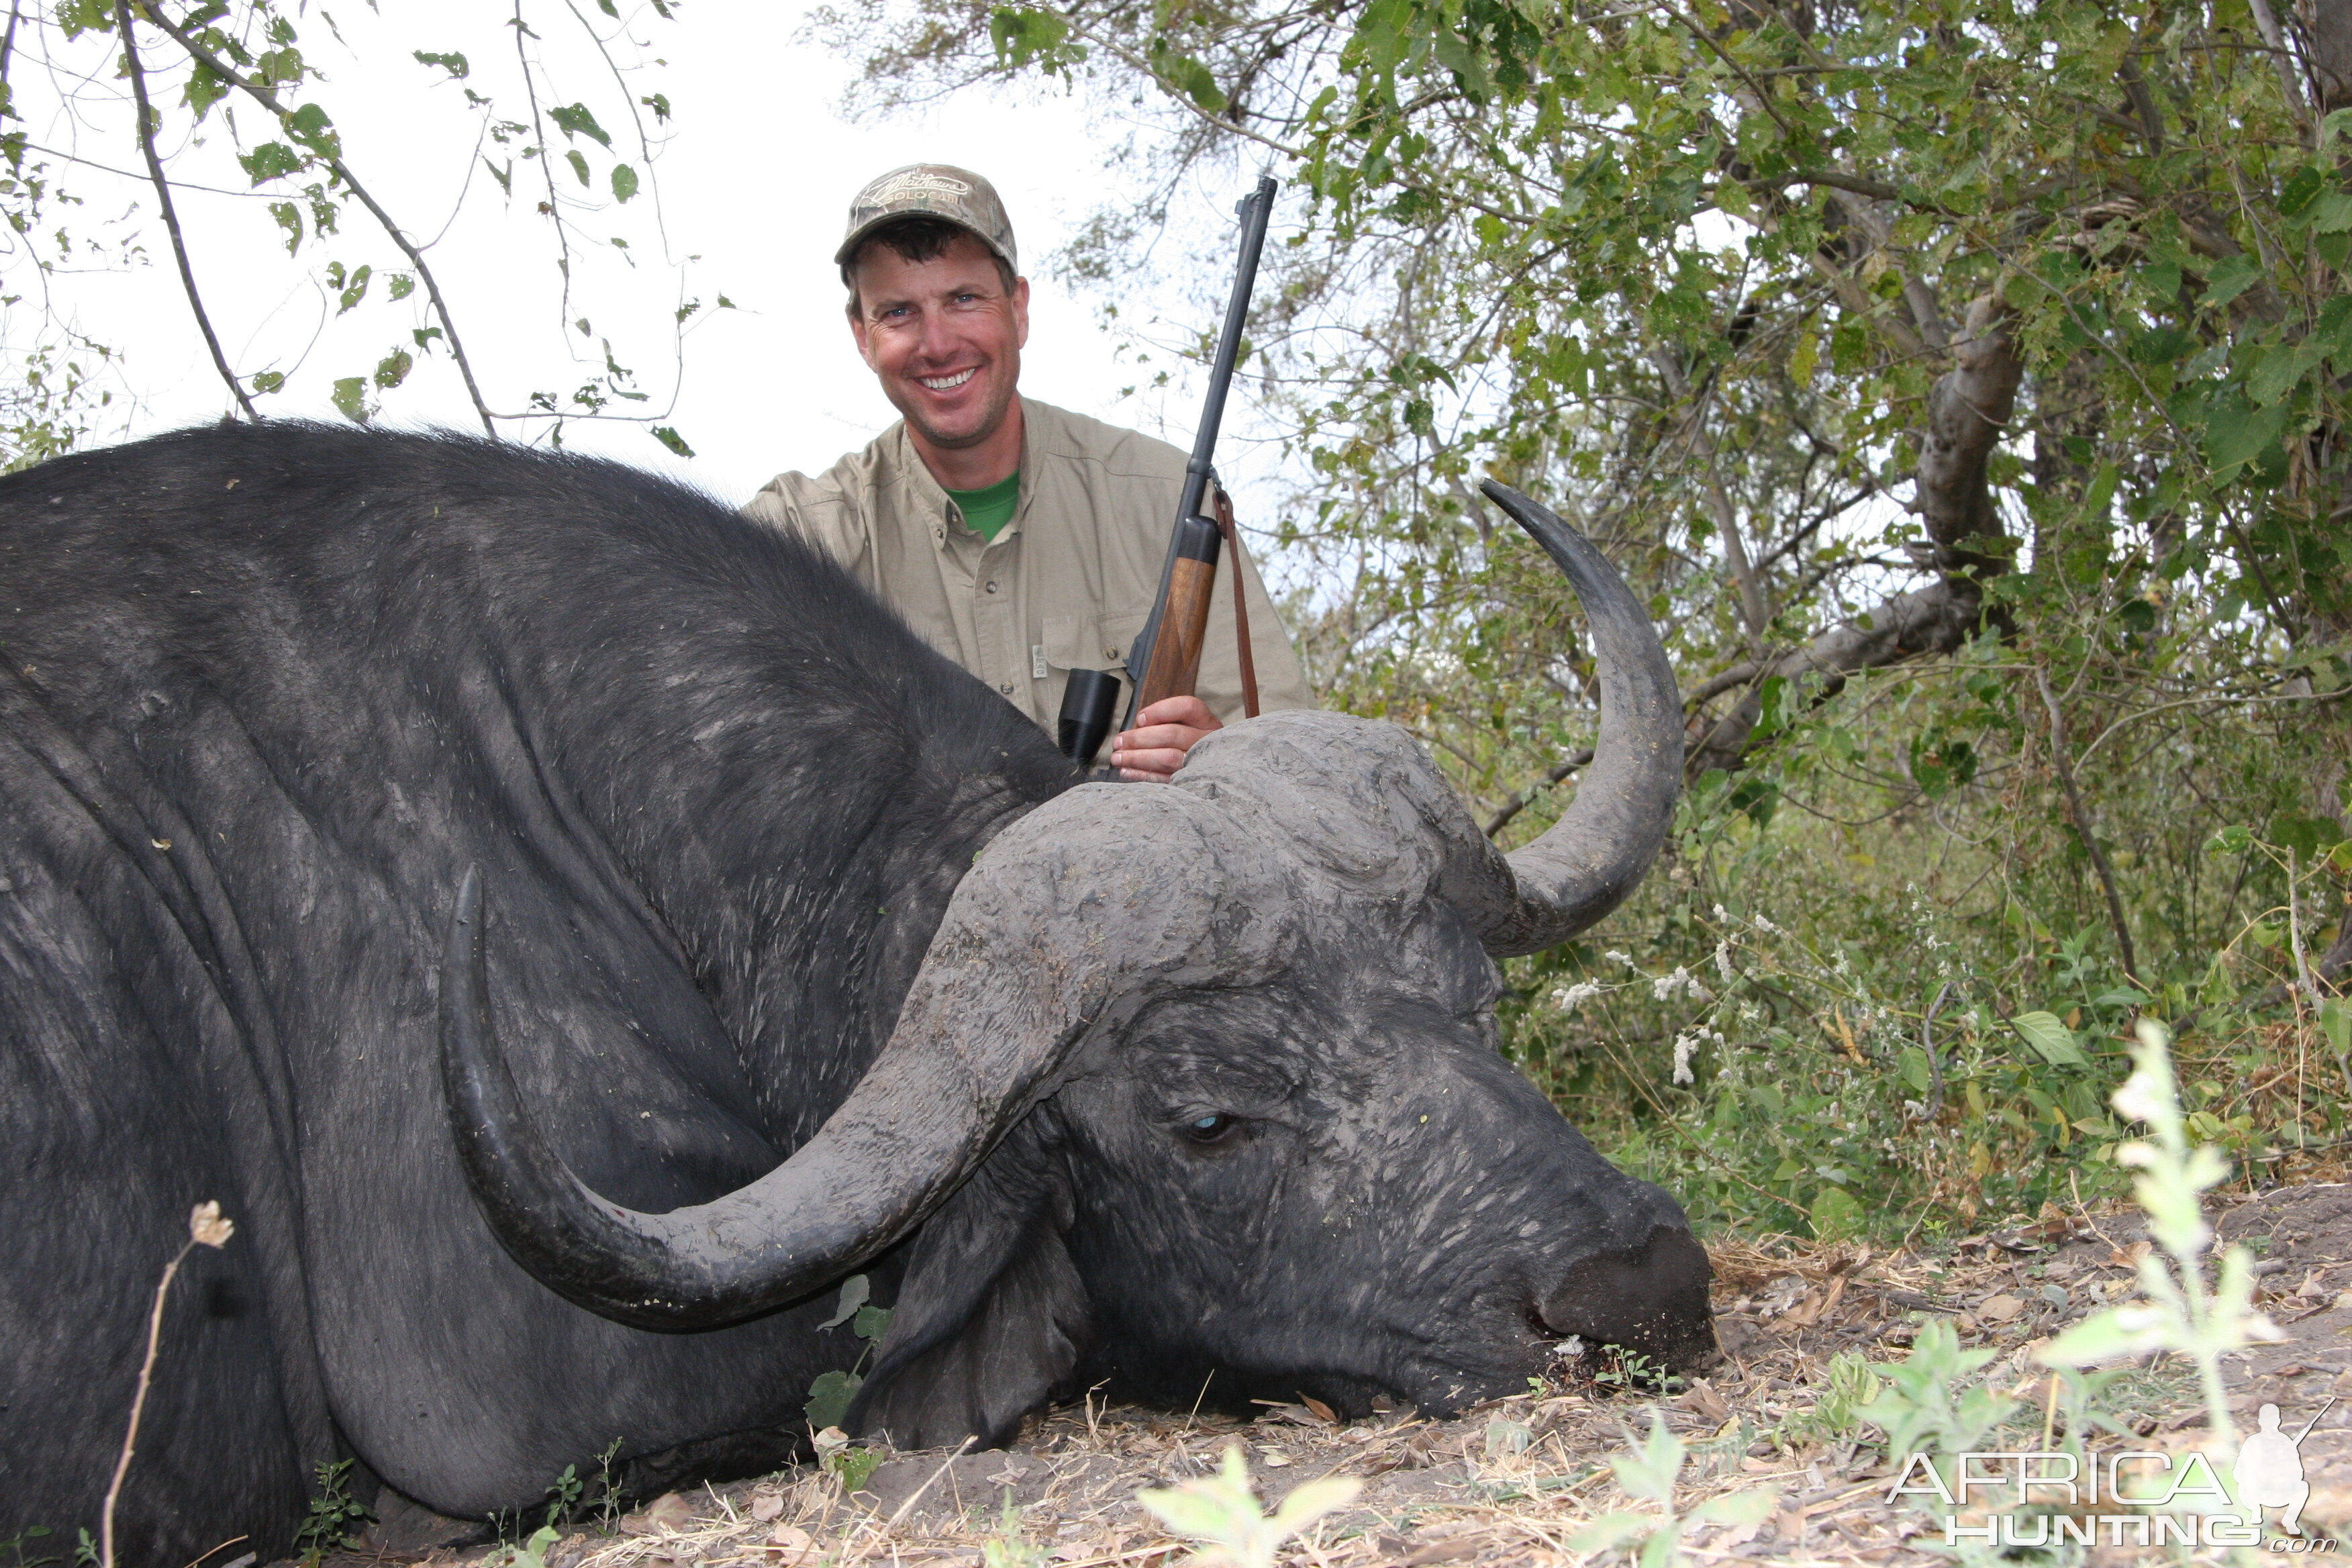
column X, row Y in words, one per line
column 1175, row 662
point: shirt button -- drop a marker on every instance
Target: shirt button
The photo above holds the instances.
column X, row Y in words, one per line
column 1006, row 688
column 992, row 587
column 1111, row 653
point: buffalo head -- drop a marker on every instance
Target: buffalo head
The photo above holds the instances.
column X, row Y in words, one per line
column 1195, row 1086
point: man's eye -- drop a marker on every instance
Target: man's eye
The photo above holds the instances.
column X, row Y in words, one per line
column 1209, row 1128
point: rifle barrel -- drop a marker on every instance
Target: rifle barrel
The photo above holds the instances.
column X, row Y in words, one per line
column 1199, row 468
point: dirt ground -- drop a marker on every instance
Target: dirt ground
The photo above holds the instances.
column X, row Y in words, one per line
column 1510, row 1482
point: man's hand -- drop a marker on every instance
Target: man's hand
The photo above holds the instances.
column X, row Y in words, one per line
column 1155, row 748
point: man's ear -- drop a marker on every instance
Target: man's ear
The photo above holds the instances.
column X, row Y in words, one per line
column 991, row 1319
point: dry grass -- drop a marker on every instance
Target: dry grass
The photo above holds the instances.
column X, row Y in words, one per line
column 1508, row 1483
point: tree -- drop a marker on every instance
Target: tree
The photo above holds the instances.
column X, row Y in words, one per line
column 159, row 89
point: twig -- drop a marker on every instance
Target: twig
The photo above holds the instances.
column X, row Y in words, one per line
column 171, row 223
column 1927, row 1044
column 1521, row 801
column 207, row 1229
column 546, row 165
column 2081, row 818
column 224, row 1546
column 917, row 1495
column 342, row 170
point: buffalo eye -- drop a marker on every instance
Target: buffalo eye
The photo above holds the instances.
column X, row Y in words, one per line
column 1211, row 1127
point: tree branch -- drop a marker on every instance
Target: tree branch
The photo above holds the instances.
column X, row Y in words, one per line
column 342, row 173
column 1966, row 409
column 2081, row 816
column 163, row 197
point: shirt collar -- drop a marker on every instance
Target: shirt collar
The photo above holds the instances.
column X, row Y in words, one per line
column 927, row 499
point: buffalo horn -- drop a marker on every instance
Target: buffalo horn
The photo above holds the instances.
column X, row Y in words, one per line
column 1588, row 861
column 1015, row 975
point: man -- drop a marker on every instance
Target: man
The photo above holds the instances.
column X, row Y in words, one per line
column 1020, row 541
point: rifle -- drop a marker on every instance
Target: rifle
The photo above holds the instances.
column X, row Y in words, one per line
column 1165, row 659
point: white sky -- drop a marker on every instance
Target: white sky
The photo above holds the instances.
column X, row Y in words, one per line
column 755, row 179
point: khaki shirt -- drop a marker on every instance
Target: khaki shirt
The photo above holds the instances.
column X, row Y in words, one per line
column 1067, row 584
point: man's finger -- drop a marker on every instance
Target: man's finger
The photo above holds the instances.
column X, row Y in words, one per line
column 1188, row 710
column 1158, row 765
column 1183, row 737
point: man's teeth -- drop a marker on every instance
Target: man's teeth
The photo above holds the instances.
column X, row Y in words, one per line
column 947, row 383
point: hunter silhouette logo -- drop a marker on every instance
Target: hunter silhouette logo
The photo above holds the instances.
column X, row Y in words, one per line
column 2097, row 1499
column 2269, row 1471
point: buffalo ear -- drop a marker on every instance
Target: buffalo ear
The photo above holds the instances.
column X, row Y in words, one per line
column 991, row 1319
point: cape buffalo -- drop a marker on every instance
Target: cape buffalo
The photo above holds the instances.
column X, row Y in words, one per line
column 792, row 950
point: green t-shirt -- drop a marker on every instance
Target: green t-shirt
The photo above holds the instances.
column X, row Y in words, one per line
column 986, row 511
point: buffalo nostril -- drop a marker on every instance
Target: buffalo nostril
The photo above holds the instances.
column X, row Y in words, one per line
column 1652, row 1297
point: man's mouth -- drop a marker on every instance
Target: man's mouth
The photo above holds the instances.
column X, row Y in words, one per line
column 947, row 383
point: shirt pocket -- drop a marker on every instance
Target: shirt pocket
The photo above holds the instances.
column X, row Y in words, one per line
column 1092, row 642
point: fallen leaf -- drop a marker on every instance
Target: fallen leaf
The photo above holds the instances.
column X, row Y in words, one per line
column 1703, row 1398
column 1275, row 1459
column 1999, row 1309
column 1452, row 1551
column 1325, row 1412
column 668, row 1512
column 2311, row 1289
column 767, row 1506
column 792, row 1537
column 161, row 843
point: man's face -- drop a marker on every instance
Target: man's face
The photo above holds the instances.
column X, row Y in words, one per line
column 944, row 338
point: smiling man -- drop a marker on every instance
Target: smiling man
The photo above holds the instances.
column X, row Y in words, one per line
column 1019, row 539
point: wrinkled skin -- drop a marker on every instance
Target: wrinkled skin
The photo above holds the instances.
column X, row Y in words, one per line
column 1320, row 1176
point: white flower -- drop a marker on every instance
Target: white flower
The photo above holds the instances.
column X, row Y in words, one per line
column 1568, row 997
column 1768, row 927
column 1722, row 915
column 1620, row 958
column 1723, row 960
column 1663, row 989
column 1685, row 1045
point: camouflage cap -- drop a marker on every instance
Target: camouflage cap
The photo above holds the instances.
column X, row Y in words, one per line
column 930, row 189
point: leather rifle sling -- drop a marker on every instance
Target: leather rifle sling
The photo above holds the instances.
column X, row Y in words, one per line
column 1241, row 604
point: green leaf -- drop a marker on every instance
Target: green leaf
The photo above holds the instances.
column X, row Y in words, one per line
column 854, row 1293
column 80, row 17
column 2237, row 433
column 2335, row 1023
column 270, row 161
column 452, row 62
column 659, row 103
column 573, row 120
column 579, row 164
column 624, row 182
column 2332, row 213
column 310, row 125
column 266, row 382
column 400, row 286
column 289, row 218
column 504, row 177
column 829, row 1398
column 1836, row 1215
column 394, row 368
column 2231, row 278
column 871, row 1323
column 2051, row 1040
column 669, row 437
column 350, row 398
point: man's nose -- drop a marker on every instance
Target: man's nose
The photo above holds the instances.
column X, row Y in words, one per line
column 936, row 337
